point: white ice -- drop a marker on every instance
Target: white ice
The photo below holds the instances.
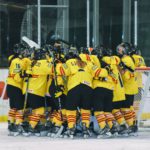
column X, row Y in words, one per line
column 142, row 142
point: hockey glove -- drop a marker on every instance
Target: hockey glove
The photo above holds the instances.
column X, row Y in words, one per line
column 59, row 91
column 26, row 75
column 58, row 94
column 103, row 64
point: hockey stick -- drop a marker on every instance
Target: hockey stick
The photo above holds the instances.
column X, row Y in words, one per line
column 30, row 42
column 46, row 106
column 26, row 96
column 56, row 85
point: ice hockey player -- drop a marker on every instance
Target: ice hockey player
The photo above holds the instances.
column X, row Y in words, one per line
column 80, row 75
column 46, row 118
column 84, row 54
column 37, row 72
column 79, row 93
column 127, row 68
column 139, row 62
column 102, row 97
column 14, row 89
column 118, row 97
column 137, row 58
column 58, row 93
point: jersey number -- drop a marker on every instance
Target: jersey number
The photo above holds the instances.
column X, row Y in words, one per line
column 18, row 66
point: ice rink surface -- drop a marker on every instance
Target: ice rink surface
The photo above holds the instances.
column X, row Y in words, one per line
column 142, row 142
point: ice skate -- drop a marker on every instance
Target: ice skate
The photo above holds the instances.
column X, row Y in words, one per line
column 49, row 126
column 43, row 129
column 104, row 133
column 69, row 133
column 19, row 130
column 56, row 131
column 33, row 131
column 114, row 130
column 85, row 131
column 132, row 130
column 11, row 129
column 123, row 130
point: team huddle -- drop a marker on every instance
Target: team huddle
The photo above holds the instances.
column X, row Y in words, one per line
column 55, row 92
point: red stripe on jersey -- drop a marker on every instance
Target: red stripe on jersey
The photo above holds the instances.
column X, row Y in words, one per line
column 116, row 60
column 97, row 73
column 35, row 76
column 88, row 57
column 62, row 71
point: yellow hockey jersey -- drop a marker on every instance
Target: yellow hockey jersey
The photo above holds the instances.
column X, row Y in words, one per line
column 26, row 63
column 60, row 77
column 78, row 74
column 38, row 80
column 119, row 91
column 104, row 80
column 95, row 60
column 85, row 57
column 49, row 77
column 139, row 62
column 15, row 69
column 129, row 78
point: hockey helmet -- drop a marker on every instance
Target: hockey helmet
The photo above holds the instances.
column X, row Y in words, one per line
column 47, row 48
column 134, row 50
column 20, row 49
column 39, row 54
column 84, row 50
column 123, row 48
column 72, row 53
column 107, row 52
column 95, row 51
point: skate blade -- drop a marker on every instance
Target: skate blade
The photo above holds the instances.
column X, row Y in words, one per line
column 86, row 136
column 16, row 133
column 65, row 137
column 60, row 136
column 10, row 134
column 115, row 135
column 37, row 134
column 68, row 137
column 105, row 136
column 123, row 135
column 71, row 137
column 49, row 134
column 133, row 134
column 52, row 135
column 26, row 134
column 44, row 133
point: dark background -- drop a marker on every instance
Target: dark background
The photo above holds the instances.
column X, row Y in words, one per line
column 110, row 20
